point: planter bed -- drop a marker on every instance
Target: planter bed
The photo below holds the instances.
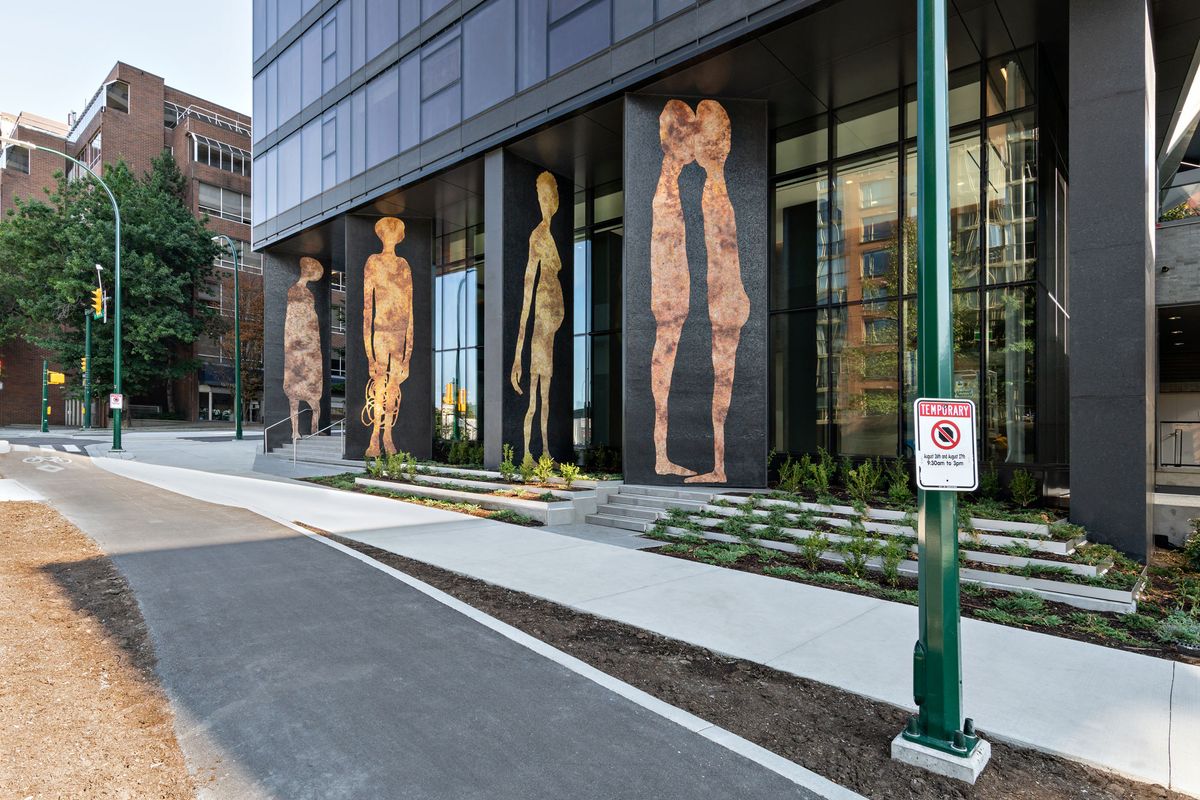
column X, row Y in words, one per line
column 564, row 493
column 580, row 484
column 555, row 513
column 1079, row 595
column 979, row 523
column 1050, row 546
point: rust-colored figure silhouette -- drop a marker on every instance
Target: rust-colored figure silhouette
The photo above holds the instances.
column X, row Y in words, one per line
column 728, row 304
column 303, row 367
column 387, row 334
column 548, row 311
column 670, row 282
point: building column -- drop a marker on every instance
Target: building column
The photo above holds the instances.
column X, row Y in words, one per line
column 1112, row 216
column 520, row 276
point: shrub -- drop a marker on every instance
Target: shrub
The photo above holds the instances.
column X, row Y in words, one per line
column 465, row 453
column 738, row 526
column 892, row 554
column 816, row 475
column 899, row 492
column 863, row 480
column 989, row 483
column 791, row 474
column 812, row 548
column 395, row 465
column 1180, row 628
column 527, row 468
column 508, row 470
column 1024, row 489
column 1191, row 546
column 569, row 472
column 858, row 552
column 544, row 470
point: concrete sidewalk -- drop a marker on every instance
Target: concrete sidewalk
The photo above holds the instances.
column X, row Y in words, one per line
column 1133, row 714
column 296, row 670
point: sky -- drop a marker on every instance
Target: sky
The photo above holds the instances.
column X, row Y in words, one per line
column 57, row 54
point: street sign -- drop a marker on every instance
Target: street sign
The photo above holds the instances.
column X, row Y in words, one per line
column 946, row 459
column 116, row 402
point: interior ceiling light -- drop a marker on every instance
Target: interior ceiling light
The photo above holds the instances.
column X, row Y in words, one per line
column 1176, row 332
column 1173, row 318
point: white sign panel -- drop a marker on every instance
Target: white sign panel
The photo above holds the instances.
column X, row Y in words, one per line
column 116, row 402
column 946, row 458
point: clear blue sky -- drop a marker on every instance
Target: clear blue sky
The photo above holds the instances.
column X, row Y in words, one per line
column 57, row 54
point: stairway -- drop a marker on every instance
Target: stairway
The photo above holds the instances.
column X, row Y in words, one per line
column 637, row 508
column 319, row 449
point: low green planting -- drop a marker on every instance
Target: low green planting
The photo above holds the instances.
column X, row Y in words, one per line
column 345, row 482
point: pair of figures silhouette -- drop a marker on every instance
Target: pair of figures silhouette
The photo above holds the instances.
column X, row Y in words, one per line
column 387, row 339
column 702, row 136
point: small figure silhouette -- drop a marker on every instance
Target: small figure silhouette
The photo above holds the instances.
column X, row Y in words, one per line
column 387, row 334
column 303, row 367
column 544, row 265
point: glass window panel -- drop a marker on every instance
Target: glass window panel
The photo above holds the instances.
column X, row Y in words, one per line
column 967, row 353
column 604, row 371
column 531, row 42
column 489, row 75
column 864, row 341
column 260, row 27
column 209, row 198
column 310, row 57
column 310, row 147
column 383, row 107
column 580, row 318
column 289, row 172
column 259, row 191
column 801, row 145
column 1011, row 373
column 410, row 102
column 1012, row 200
column 799, row 381
column 581, row 405
column 867, row 125
column 260, row 104
column 431, row 7
column 579, row 36
column 271, row 182
column 289, row 83
column 358, row 131
column 343, row 138
column 560, row 8
column 867, row 208
column 963, row 99
column 440, row 64
column 272, row 92
column 965, row 176
column 801, row 262
column 289, row 14
column 383, row 26
column 440, row 112
column 1010, row 82
column 609, row 204
column 665, row 8
column 631, row 16
column 410, row 16
column 605, row 289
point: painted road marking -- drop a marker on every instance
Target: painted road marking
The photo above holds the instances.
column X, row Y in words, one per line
column 47, row 447
column 71, row 448
column 21, row 448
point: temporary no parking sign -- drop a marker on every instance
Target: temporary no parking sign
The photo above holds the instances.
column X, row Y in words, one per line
column 946, row 445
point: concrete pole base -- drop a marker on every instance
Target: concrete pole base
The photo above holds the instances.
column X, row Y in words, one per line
column 942, row 763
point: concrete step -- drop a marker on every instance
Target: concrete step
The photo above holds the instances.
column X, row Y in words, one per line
column 678, row 493
column 625, row 523
column 632, row 512
column 648, row 501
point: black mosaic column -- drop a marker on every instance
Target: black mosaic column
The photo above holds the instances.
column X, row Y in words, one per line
column 690, row 440
column 513, row 212
column 413, row 430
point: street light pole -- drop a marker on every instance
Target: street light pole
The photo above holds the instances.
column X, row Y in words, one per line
column 116, row 445
column 237, row 338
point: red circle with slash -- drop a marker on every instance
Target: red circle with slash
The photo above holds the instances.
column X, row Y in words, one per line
column 945, row 434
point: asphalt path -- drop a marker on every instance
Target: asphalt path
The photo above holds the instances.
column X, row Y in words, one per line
column 296, row 671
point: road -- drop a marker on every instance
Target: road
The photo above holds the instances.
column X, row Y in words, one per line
column 296, row 671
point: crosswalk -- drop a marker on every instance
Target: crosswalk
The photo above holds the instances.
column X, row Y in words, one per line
column 47, row 448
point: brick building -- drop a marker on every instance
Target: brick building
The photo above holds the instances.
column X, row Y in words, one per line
column 133, row 116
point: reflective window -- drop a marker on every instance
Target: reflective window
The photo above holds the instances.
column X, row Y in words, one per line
column 116, row 96
column 383, row 26
column 489, row 75
column 382, row 117
column 224, row 203
column 867, row 209
column 310, row 59
column 289, row 83
column 864, row 340
column 867, row 125
column 580, row 34
column 801, row 145
column 310, row 157
column 1012, row 199
column 1010, row 82
column 1011, row 375
column 966, row 173
column 802, row 254
column 458, row 356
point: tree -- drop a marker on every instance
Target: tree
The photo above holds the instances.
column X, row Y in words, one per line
column 48, row 249
column 250, row 309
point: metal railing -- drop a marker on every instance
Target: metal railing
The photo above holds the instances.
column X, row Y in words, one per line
column 1179, row 444
column 341, row 422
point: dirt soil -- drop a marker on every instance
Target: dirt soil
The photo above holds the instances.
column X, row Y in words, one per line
column 81, row 713
column 839, row 735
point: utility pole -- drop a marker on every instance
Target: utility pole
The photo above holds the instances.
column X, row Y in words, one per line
column 45, row 396
column 87, row 370
column 937, row 738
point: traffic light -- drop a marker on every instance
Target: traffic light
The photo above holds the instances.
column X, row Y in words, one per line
column 83, row 364
column 56, row 378
column 98, row 303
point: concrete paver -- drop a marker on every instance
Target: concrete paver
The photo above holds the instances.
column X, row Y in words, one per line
column 1102, row 706
column 299, row 671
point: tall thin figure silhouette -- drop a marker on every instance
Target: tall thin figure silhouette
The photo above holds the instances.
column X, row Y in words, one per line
column 548, row 311
column 728, row 304
column 303, row 367
column 387, row 333
column 670, row 283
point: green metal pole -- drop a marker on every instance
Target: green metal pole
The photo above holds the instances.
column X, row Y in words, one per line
column 116, row 446
column 87, row 371
column 937, row 663
column 45, row 397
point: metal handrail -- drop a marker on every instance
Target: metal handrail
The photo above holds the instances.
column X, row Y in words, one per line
column 341, row 422
column 272, row 425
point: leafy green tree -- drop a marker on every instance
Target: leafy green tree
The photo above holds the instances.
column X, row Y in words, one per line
column 48, row 252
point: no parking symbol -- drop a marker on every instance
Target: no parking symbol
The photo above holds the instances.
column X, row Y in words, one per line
column 946, row 459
